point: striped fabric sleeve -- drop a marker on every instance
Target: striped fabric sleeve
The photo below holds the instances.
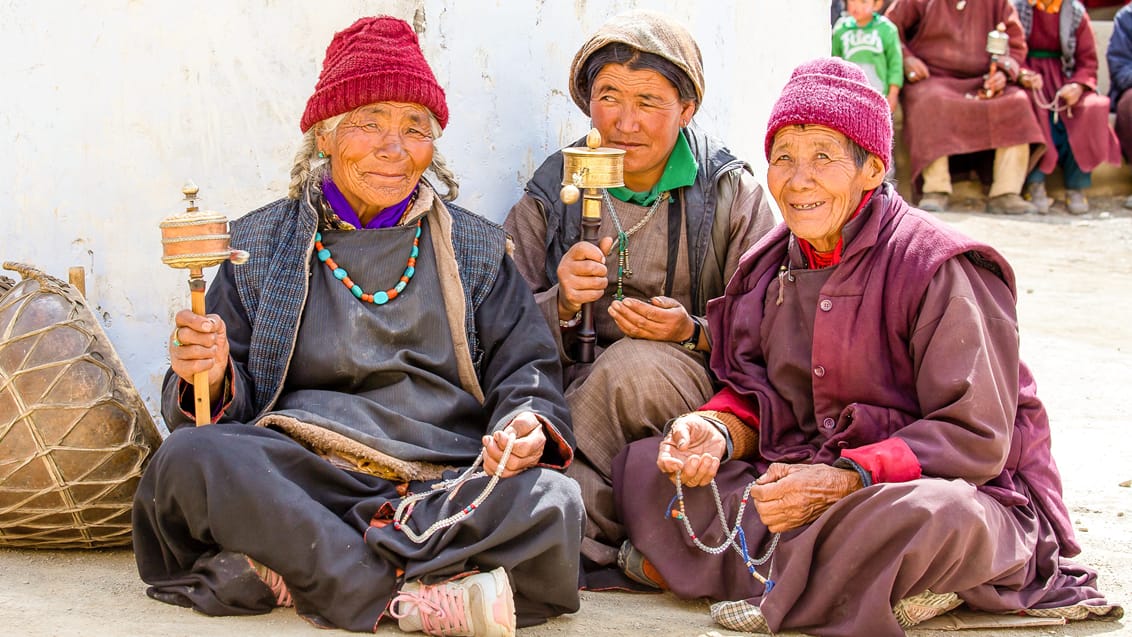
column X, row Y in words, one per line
column 740, row 417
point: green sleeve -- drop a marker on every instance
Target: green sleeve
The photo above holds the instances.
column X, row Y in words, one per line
column 836, row 50
column 893, row 55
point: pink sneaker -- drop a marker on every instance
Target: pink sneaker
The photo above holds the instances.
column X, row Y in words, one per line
column 275, row 582
column 479, row 605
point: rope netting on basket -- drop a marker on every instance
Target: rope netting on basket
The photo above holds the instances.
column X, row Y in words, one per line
column 74, row 433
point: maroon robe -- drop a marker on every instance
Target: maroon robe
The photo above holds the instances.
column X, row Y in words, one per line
column 908, row 345
column 1090, row 136
column 939, row 118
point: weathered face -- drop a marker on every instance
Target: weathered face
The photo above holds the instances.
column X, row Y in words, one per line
column 816, row 182
column 378, row 153
column 640, row 112
column 862, row 10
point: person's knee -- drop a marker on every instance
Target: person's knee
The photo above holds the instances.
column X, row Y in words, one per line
column 560, row 493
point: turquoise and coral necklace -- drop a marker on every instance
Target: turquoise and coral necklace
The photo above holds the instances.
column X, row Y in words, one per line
column 377, row 298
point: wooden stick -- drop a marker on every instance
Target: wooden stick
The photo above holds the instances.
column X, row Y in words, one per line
column 76, row 276
column 591, row 223
column 200, row 379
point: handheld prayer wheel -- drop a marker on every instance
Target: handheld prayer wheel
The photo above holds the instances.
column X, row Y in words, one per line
column 998, row 43
column 194, row 240
column 585, row 173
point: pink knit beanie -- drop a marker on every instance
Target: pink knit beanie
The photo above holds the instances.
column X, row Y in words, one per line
column 376, row 59
column 834, row 93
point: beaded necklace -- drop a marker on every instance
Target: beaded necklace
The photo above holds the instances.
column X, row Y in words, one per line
column 405, row 508
column 377, row 298
column 736, row 538
column 623, row 269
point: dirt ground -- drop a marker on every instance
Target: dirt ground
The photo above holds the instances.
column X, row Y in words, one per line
column 1075, row 302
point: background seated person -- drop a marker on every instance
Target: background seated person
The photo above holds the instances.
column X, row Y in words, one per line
column 1119, row 56
column 946, row 64
column 1062, row 70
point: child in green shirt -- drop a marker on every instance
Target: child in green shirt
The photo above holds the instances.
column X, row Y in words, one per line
column 871, row 41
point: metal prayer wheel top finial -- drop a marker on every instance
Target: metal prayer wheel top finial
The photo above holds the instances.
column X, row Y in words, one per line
column 998, row 43
column 196, row 239
column 591, row 166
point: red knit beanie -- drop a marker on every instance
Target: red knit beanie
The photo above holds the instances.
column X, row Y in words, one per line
column 376, row 59
column 836, row 94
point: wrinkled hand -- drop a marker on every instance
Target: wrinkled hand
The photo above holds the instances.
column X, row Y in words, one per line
column 582, row 276
column 1071, row 93
column 788, row 496
column 693, row 448
column 530, row 440
column 915, row 70
column 993, row 83
column 204, row 347
column 1031, row 80
column 660, row 319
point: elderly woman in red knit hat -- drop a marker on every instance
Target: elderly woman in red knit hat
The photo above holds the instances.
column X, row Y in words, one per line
column 875, row 437
column 378, row 340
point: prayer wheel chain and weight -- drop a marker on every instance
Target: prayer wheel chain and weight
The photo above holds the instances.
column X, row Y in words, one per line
column 586, row 172
column 194, row 240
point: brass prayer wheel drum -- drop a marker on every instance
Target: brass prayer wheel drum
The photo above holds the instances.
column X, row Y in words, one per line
column 75, row 434
column 998, row 43
column 197, row 239
column 592, row 167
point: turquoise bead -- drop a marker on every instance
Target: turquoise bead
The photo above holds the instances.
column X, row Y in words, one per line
column 357, row 290
column 323, row 255
column 409, row 271
column 340, row 274
column 380, row 298
column 400, row 287
column 318, row 237
column 415, row 252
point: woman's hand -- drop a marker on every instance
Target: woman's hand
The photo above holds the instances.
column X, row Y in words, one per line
column 203, row 347
column 693, row 448
column 582, row 276
column 788, row 496
column 915, row 70
column 1070, row 93
column 530, row 440
column 993, row 83
column 1029, row 79
column 661, row 319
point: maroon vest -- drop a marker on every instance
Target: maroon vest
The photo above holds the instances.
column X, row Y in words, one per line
column 876, row 292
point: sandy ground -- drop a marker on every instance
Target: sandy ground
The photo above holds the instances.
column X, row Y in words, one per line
column 1075, row 289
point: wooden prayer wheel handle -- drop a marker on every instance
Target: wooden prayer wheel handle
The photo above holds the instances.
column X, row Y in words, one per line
column 586, row 172
column 194, row 240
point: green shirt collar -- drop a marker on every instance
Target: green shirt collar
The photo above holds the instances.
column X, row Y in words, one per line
column 680, row 171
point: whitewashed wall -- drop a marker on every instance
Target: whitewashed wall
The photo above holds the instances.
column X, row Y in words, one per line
column 110, row 105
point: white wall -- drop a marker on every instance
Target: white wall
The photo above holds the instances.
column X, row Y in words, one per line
column 112, row 104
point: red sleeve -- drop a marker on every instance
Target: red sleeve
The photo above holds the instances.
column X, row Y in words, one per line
column 889, row 460
column 729, row 402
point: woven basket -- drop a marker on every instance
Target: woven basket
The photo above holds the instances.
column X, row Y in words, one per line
column 74, row 433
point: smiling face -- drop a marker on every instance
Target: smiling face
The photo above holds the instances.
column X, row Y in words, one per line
column 640, row 112
column 378, row 153
column 816, row 182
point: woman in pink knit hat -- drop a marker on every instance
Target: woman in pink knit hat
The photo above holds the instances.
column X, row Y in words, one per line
column 378, row 340
column 874, row 432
